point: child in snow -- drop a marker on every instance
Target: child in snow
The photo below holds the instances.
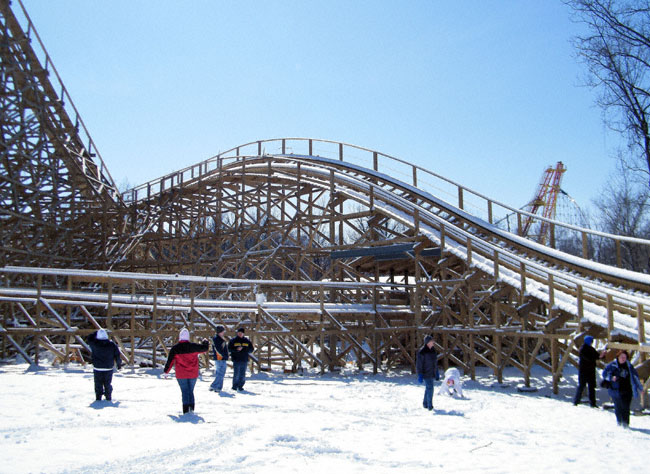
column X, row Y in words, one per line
column 240, row 347
column 452, row 385
column 426, row 366
column 185, row 356
column 220, row 353
column 104, row 354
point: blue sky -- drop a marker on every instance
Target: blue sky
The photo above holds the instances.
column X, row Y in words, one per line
column 484, row 92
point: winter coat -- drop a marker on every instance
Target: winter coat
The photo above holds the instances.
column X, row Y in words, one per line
column 587, row 363
column 219, row 348
column 452, row 384
column 105, row 353
column 426, row 363
column 613, row 369
column 246, row 348
column 185, row 356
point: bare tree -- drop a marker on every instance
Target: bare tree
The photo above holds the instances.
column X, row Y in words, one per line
column 616, row 50
column 624, row 210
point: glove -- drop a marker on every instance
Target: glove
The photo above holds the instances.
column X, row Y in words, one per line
column 164, row 375
column 420, row 378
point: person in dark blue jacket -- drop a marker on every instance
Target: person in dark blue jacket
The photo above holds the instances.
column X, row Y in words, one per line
column 220, row 353
column 587, row 371
column 105, row 354
column 240, row 347
column 426, row 365
column 622, row 382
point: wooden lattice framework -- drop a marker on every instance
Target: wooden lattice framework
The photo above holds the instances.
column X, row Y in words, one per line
column 328, row 252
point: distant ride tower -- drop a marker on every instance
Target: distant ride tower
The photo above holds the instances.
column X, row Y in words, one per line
column 545, row 200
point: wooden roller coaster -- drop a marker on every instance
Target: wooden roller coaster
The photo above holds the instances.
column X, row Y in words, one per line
column 331, row 254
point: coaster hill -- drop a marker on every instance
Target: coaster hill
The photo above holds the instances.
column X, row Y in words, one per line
column 330, row 254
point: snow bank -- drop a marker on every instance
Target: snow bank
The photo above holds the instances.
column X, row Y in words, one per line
column 347, row 422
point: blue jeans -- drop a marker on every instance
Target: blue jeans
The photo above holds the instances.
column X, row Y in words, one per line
column 239, row 374
column 428, row 393
column 219, row 373
column 187, row 390
column 622, row 408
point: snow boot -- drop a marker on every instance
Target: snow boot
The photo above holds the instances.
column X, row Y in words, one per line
column 191, row 407
column 186, row 408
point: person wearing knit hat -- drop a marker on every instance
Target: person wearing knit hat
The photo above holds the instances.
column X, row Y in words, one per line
column 184, row 356
column 426, row 365
column 588, row 357
column 239, row 347
column 105, row 354
column 220, row 353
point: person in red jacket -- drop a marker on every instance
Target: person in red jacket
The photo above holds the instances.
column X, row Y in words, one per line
column 185, row 357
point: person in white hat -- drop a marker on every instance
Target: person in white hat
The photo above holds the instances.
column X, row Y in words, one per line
column 105, row 354
column 184, row 356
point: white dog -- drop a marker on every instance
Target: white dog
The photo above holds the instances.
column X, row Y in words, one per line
column 452, row 385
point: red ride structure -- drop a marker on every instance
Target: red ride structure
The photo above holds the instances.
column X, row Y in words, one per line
column 545, row 200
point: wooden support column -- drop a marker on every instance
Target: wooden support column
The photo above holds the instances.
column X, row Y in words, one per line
column 555, row 366
column 610, row 317
column 497, row 342
column 375, row 345
column 471, row 357
column 645, row 401
column 322, row 329
column 154, row 325
column 68, row 318
column 37, row 338
column 109, row 309
column 132, row 325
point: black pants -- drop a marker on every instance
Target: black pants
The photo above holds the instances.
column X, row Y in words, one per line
column 103, row 379
column 590, row 382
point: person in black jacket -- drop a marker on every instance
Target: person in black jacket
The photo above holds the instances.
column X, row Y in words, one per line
column 105, row 353
column 220, row 353
column 587, row 371
column 426, row 366
column 240, row 347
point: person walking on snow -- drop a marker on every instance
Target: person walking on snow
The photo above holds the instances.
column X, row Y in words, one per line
column 105, row 354
column 240, row 347
column 622, row 382
column 220, row 353
column 427, row 369
column 587, row 371
column 185, row 357
column 451, row 384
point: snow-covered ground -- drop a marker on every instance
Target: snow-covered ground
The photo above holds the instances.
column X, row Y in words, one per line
column 342, row 423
